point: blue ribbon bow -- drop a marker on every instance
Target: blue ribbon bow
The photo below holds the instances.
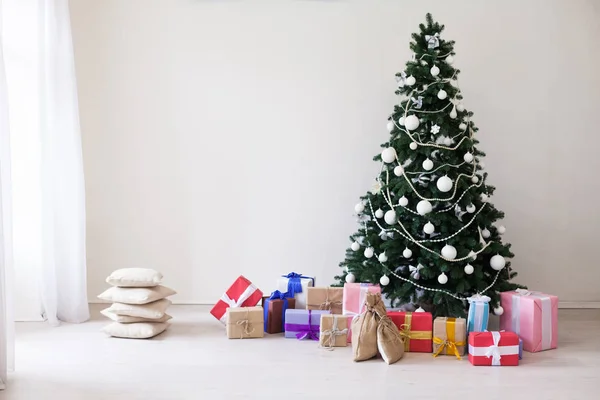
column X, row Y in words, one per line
column 294, row 283
column 276, row 295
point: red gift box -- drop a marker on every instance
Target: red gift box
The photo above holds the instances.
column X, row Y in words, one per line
column 241, row 294
column 416, row 329
column 494, row 348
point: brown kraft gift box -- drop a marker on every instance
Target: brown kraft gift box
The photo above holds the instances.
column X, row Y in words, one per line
column 275, row 313
column 325, row 298
column 245, row 322
column 449, row 336
column 334, row 331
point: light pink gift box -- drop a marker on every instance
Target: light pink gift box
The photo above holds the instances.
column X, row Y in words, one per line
column 533, row 316
column 353, row 302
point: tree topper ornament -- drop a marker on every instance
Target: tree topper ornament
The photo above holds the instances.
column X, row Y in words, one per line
column 433, row 41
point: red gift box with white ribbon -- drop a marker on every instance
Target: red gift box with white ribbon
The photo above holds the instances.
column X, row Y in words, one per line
column 241, row 294
column 494, row 348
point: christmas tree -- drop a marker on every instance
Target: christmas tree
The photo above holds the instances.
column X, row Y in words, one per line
column 428, row 231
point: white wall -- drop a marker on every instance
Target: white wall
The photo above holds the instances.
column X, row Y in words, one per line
column 227, row 137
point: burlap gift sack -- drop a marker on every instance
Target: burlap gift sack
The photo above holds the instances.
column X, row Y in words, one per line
column 373, row 332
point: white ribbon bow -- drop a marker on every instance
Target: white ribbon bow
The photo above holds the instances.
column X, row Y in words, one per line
column 494, row 351
column 433, row 41
column 384, row 235
column 418, row 102
column 479, row 299
column 401, row 79
column 524, row 292
column 414, row 271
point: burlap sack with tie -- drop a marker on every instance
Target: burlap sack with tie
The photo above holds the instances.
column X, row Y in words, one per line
column 373, row 332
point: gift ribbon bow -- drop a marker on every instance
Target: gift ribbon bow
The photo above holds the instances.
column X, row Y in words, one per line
column 494, row 351
column 326, row 305
column 294, row 283
column 332, row 333
column 309, row 333
column 246, row 324
column 450, row 344
column 479, row 298
column 414, row 271
column 407, row 334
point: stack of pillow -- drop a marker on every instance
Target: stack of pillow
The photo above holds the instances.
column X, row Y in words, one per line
column 139, row 303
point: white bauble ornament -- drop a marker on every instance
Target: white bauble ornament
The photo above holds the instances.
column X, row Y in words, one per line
column 401, row 121
column 411, row 122
column 390, row 217
column 469, row 269
column 475, row 179
column 403, row 201
column 411, row 80
column 462, row 126
column 350, row 278
column 360, row 207
column 388, row 155
column 384, row 280
column 449, row 60
column 442, row 278
column 484, row 197
column 390, row 126
column 460, row 107
column 429, row 228
column 499, row 310
column 435, row 71
column 447, row 141
column 442, row 94
column 382, row 257
column 473, row 255
column 355, row 246
column 468, row 157
column 449, row 252
column 453, row 113
column 407, row 253
column 471, row 208
column 379, row 213
column 413, row 146
column 497, row 262
column 486, row 233
column 398, row 170
column 501, row 229
column 424, row 207
column 428, row 165
column 444, row 184
column 369, row 252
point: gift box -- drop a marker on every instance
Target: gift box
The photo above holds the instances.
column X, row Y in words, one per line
column 303, row 324
column 493, row 348
column 449, row 336
column 415, row 328
column 241, row 294
column 533, row 316
column 244, row 322
column 479, row 312
column 325, row 298
column 334, row 331
column 354, row 297
column 275, row 307
column 296, row 285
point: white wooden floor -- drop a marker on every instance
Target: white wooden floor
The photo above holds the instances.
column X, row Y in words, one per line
column 195, row 361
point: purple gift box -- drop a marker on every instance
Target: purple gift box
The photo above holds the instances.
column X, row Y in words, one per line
column 303, row 324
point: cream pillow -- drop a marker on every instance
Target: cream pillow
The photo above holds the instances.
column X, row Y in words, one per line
column 125, row 319
column 141, row 330
column 136, row 295
column 154, row 310
column 135, row 277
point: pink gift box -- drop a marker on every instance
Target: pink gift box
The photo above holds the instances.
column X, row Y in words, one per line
column 533, row 316
column 355, row 294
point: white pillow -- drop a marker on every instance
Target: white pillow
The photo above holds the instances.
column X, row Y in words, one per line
column 154, row 310
column 136, row 295
column 141, row 330
column 125, row 319
column 135, row 277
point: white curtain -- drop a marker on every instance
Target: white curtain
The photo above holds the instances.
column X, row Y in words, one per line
column 41, row 141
